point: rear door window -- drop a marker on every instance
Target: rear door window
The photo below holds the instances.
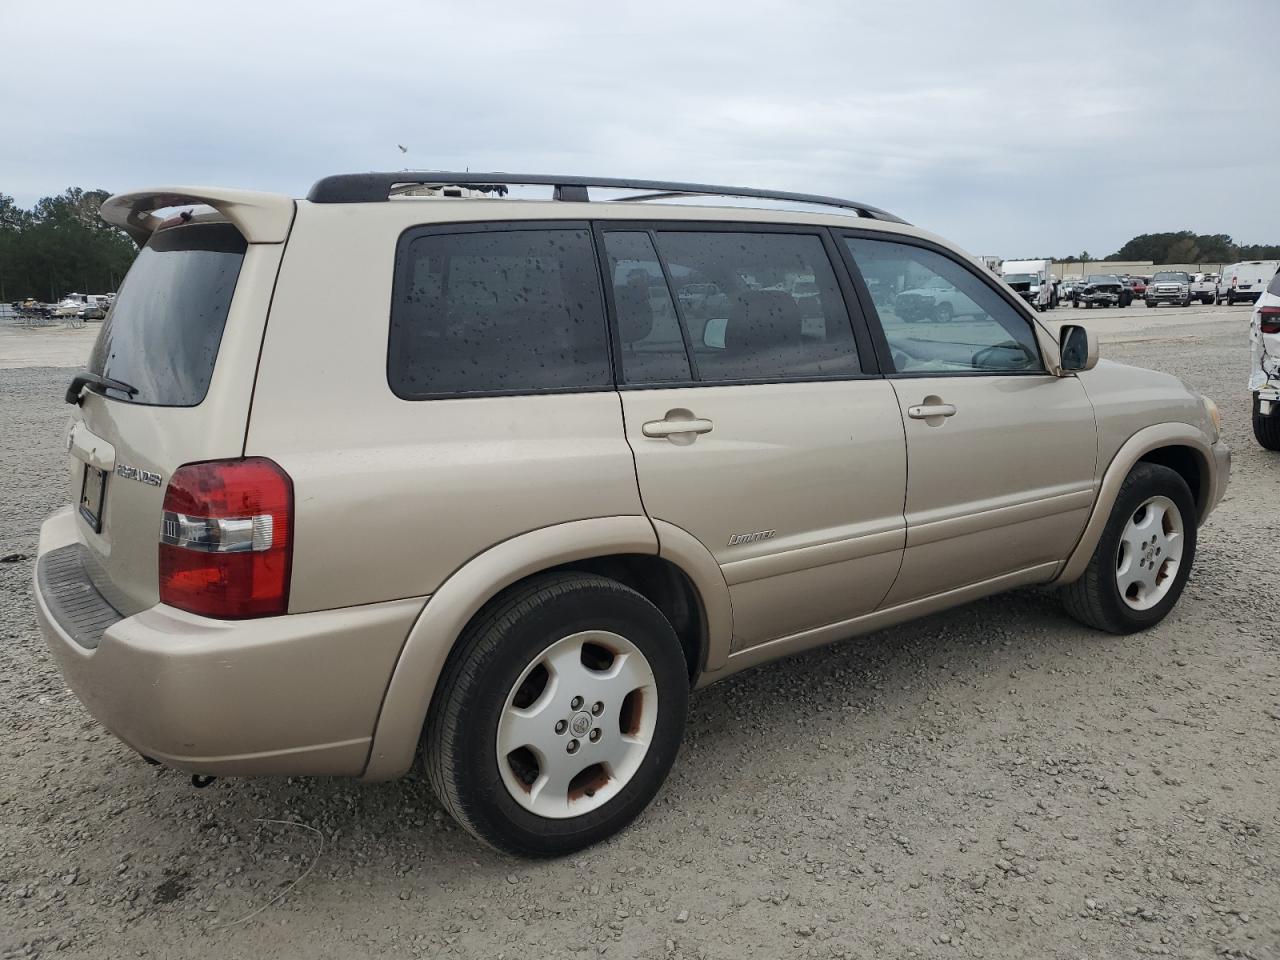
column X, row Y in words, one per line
column 163, row 332
column 760, row 306
column 497, row 312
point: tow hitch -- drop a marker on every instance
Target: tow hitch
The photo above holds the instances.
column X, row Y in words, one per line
column 200, row 781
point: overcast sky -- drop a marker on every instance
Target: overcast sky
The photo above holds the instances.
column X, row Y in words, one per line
column 1014, row 129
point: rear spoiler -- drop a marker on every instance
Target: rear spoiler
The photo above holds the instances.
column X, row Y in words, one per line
column 261, row 217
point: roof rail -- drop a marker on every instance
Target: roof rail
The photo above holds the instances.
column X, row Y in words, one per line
column 374, row 187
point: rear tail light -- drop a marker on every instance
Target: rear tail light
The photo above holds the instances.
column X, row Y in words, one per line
column 1269, row 317
column 226, row 540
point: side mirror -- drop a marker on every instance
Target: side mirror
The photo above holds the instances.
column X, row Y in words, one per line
column 1077, row 348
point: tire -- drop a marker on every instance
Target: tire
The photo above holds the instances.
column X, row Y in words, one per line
column 1148, row 303
column 1096, row 599
column 943, row 312
column 1266, row 430
column 1231, row 301
column 1186, row 302
column 1075, row 304
column 506, row 641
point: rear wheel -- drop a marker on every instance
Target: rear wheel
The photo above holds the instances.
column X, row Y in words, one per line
column 558, row 716
column 943, row 312
column 1266, row 430
column 1231, row 301
column 1143, row 558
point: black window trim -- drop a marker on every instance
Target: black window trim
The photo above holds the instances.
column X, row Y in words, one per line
column 400, row 273
column 868, row 359
column 883, row 351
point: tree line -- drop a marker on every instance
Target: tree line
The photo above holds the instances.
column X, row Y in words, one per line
column 1184, row 246
column 60, row 245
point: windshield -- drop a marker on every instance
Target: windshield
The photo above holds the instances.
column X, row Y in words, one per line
column 163, row 331
column 1101, row 278
column 1175, row 277
column 1020, row 277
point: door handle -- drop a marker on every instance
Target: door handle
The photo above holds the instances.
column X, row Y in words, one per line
column 658, row 429
column 926, row 411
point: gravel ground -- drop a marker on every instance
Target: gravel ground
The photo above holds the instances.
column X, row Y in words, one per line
column 997, row 781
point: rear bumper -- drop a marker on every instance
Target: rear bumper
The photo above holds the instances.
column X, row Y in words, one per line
column 295, row 695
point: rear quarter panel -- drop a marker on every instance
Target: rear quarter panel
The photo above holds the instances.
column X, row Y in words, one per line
column 392, row 496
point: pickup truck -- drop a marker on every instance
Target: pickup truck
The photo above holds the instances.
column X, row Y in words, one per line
column 1170, row 286
column 1101, row 290
column 1204, row 287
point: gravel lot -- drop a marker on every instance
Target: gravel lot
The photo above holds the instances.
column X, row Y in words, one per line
column 993, row 782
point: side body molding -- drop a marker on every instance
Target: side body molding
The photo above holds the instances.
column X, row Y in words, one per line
column 447, row 611
column 1130, row 452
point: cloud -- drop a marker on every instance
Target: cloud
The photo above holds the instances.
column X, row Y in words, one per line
column 1011, row 129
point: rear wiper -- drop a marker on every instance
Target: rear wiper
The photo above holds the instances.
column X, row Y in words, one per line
column 87, row 379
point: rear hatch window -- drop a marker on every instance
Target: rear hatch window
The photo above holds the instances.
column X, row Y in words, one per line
column 163, row 332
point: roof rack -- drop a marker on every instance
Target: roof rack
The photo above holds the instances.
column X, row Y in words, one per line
column 375, row 187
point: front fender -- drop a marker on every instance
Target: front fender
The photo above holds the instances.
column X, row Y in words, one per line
column 1131, row 451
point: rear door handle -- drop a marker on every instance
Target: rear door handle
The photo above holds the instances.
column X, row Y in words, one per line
column 926, row 410
column 657, row 429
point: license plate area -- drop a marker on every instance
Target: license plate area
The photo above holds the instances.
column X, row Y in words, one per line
column 93, row 489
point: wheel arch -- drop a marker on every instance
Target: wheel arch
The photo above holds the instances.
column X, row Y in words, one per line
column 666, row 569
column 1178, row 446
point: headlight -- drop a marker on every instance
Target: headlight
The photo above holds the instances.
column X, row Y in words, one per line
column 1215, row 418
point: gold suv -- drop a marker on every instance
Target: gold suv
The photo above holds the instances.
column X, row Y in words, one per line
column 411, row 461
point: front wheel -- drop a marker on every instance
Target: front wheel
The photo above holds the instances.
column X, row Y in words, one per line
column 558, row 716
column 1143, row 558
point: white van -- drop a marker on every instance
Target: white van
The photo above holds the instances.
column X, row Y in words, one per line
column 1032, row 280
column 1245, row 280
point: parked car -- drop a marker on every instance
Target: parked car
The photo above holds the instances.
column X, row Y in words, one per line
column 1067, row 289
column 1170, row 286
column 1139, row 287
column 1101, row 290
column 1264, row 375
column 517, row 520
column 1245, row 280
column 936, row 299
column 1204, row 287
